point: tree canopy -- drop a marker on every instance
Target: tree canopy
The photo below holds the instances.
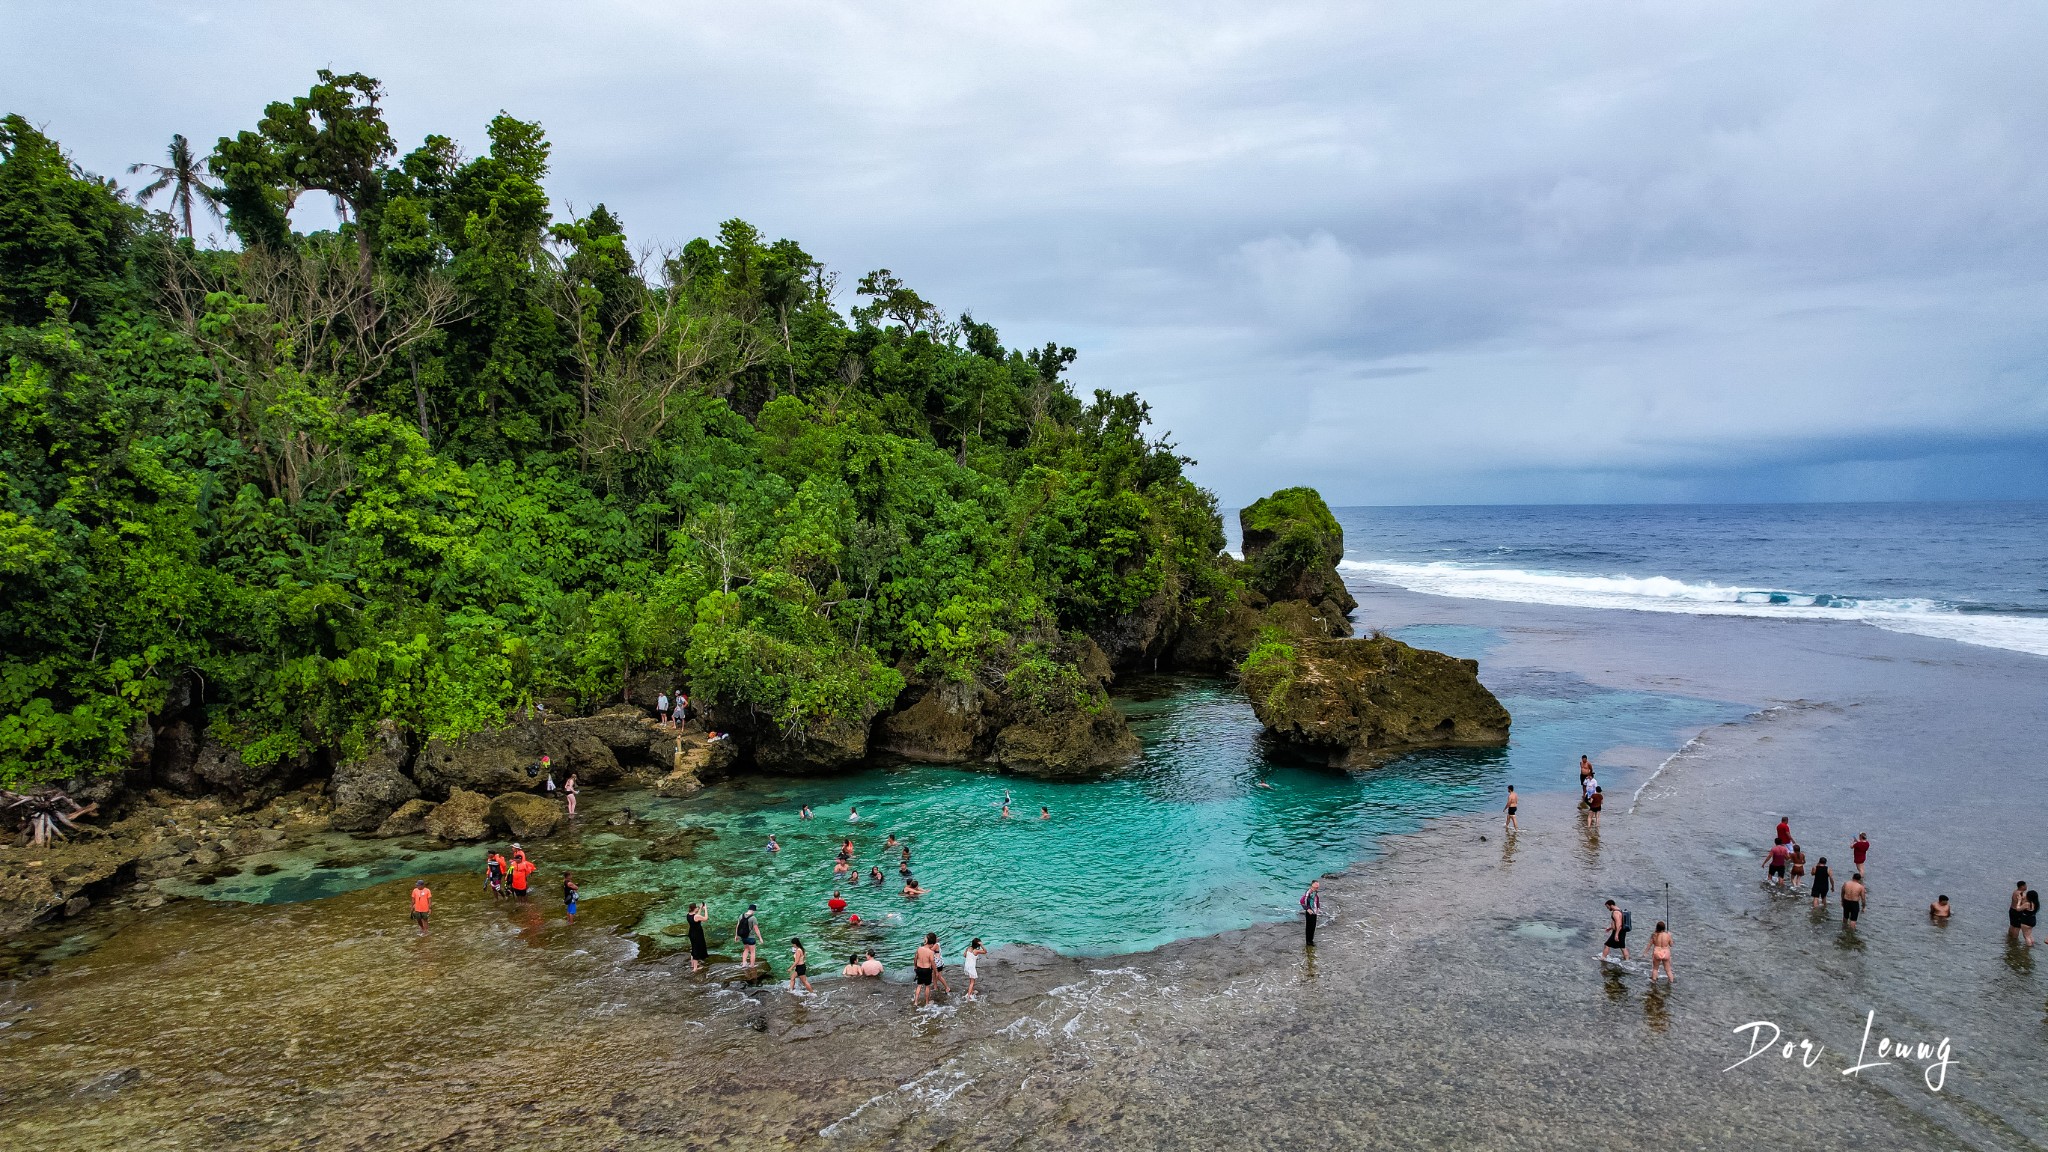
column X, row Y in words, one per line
column 460, row 455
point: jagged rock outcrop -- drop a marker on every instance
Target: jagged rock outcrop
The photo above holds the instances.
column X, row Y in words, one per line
column 367, row 790
column 825, row 744
column 695, row 762
column 1357, row 703
column 223, row 769
column 1218, row 639
column 490, row 762
column 410, row 819
column 1072, row 742
column 951, row 723
column 1292, row 545
column 1141, row 637
column 525, row 816
column 462, row 817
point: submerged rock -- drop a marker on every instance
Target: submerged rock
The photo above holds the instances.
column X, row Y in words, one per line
column 1357, row 703
column 525, row 816
column 462, row 817
column 366, row 791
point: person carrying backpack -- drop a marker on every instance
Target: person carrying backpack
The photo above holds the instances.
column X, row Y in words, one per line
column 1617, row 930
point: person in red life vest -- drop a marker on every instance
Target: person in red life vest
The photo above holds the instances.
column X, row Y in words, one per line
column 837, row 904
column 422, row 904
column 522, row 869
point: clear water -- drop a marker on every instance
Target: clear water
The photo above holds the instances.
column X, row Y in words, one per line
column 1973, row 573
column 1185, row 844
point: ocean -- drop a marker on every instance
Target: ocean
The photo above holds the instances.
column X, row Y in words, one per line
column 1973, row 573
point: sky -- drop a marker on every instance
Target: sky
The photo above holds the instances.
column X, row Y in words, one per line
column 1434, row 252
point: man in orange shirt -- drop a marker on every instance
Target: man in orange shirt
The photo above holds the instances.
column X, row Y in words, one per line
column 521, row 869
column 422, row 903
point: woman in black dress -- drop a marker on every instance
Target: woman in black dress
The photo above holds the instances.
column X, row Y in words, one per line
column 699, row 951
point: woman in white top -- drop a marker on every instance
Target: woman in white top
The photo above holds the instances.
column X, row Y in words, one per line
column 661, row 708
column 974, row 949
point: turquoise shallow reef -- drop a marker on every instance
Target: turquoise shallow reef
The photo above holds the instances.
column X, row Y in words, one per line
column 1186, row 843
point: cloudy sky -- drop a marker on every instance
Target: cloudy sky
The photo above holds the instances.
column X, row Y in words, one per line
column 1409, row 252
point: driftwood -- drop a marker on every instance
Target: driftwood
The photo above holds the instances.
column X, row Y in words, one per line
column 42, row 812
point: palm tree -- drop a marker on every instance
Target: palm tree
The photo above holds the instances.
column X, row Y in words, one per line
column 185, row 177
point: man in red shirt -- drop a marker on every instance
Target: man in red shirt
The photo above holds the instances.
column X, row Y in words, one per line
column 1784, row 829
column 1861, row 849
column 1774, row 863
column 837, row 904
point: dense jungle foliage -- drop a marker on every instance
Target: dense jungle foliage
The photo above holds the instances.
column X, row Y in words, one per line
column 459, row 455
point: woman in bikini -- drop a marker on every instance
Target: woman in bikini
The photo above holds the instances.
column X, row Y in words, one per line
column 798, row 970
column 1660, row 952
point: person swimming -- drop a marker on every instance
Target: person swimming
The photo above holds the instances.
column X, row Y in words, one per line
column 1044, row 813
column 875, row 874
column 853, row 815
column 773, row 846
column 910, row 887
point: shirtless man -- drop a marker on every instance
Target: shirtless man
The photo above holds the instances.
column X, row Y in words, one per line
column 1852, row 898
column 1939, row 910
column 1514, row 802
column 2017, row 905
column 923, row 966
column 1585, row 774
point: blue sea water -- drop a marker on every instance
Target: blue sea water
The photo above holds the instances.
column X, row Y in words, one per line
column 1972, row 573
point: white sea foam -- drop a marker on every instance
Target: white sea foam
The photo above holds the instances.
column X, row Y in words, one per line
column 1665, row 594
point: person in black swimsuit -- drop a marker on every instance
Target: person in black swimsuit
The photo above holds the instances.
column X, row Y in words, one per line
column 700, row 952
column 1823, row 883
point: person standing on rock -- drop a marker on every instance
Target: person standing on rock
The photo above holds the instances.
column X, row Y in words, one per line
column 922, row 967
column 569, row 793
column 748, row 934
column 661, row 707
column 1312, row 909
column 422, row 904
column 700, row 952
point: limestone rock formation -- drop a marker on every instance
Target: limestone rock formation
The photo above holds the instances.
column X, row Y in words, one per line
column 489, row 762
column 462, row 817
column 1357, row 703
column 1073, row 742
column 524, row 815
column 1292, row 545
column 823, row 745
column 409, row 820
column 950, row 723
column 366, row 791
column 223, row 769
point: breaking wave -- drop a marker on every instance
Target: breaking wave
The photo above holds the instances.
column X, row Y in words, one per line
column 1935, row 618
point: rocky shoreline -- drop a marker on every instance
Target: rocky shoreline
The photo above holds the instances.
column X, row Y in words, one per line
column 190, row 803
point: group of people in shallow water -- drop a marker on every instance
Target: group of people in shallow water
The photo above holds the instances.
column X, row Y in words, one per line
column 928, row 966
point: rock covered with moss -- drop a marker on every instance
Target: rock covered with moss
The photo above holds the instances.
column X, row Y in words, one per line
column 1357, row 703
column 1292, row 545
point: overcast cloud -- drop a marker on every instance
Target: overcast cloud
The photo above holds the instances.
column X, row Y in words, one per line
column 1414, row 252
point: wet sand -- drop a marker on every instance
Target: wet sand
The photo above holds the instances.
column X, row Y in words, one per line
column 1455, row 999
